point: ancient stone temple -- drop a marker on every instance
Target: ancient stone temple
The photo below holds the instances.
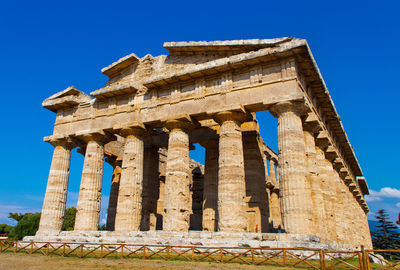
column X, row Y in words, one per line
column 154, row 109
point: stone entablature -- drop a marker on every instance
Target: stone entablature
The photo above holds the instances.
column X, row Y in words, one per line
column 208, row 93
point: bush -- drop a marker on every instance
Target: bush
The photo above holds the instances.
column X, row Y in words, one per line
column 28, row 225
column 4, row 228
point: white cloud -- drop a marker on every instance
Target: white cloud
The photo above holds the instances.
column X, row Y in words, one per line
column 386, row 192
column 370, row 198
column 398, row 204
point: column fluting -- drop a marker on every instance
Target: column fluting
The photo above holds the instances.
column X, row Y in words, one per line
column 129, row 209
column 177, row 206
column 113, row 200
column 295, row 192
column 52, row 216
column 231, row 177
column 89, row 201
column 210, row 193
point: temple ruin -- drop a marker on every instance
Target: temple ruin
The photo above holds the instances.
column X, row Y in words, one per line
column 154, row 109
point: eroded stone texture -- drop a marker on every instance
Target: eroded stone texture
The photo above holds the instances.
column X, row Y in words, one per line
column 151, row 187
column 324, row 169
column 231, row 179
column 129, row 211
column 113, row 200
column 256, row 191
column 295, row 192
column 53, row 210
column 210, row 194
column 89, row 201
column 318, row 202
column 177, row 180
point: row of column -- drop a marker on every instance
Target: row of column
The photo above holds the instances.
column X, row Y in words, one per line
column 309, row 187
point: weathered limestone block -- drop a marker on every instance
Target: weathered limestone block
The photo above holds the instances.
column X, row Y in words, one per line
column 55, row 199
column 113, row 200
column 314, row 179
column 177, row 207
column 88, row 208
column 231, row 178
column 151, row 186
column 210, row 193
column 295, row 192
column 129, row 210
column 256, row 189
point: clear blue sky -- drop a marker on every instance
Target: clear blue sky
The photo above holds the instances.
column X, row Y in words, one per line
column 46, row 46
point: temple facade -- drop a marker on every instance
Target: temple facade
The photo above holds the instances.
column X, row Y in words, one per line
column 153, row 110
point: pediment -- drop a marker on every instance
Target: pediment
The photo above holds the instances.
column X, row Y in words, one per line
column 120, row 65
column 68, row 97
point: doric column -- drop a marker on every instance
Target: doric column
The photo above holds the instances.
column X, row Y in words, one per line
column 314, row 179
column 271, row 168
column 55, row 199
column 113, row 200
column 275, row 210
column 129, row 210
column 210, row 192
column 89, row 201
column 255, row 179
column 329, row 196
column 177, row 207
column 151, row 186
column 231, row 178
column 295, row 192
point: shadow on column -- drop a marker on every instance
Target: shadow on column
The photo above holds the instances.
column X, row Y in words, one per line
column 256, row 193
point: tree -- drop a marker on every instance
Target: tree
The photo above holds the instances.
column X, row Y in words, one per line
column 27, row 225
column 5, row 229
column 16, row 216
column 69, row 219
column 387, row 236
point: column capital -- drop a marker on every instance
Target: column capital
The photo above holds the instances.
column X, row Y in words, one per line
column 138, row 131
column 184, row 125
column 97, row 136
column 297, row 107
column 229, row 116
column 67, row 142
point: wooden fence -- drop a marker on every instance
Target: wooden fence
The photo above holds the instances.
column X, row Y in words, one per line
column 294, row 257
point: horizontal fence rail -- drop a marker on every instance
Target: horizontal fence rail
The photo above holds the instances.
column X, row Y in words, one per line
column 284, row 257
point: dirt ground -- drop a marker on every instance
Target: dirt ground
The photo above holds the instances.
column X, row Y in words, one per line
column 10, row 261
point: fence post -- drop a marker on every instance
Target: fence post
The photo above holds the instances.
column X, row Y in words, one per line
column 16, row 247
column 30, row 252
column 1, row 246
column 122, row 251
column 101, row 251
column 221, row 256
column 252, row 256
column 364, row 258
column 47, row 249
column 322, row 259
column 63, row 250
column 144, row 252
column 168, row 247
column 284, row 257
column 368, row 262
column 81, row 251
